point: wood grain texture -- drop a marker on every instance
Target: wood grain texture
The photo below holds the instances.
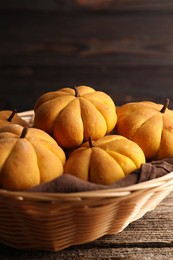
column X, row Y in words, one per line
column 86, row 39
column 127, row 55
column 148, row 238
column 123, row 85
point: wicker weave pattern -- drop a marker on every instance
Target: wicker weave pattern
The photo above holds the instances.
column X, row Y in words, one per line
column 56, row 221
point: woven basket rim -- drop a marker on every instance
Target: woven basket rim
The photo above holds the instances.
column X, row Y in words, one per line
column 154, row 184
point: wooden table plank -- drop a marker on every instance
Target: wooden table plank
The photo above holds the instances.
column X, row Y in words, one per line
column 44, row 51
column 128, row 55
column 76, row 39
column 123, row 84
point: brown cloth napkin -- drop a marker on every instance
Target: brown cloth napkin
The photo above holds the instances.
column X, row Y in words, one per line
column 68, row 183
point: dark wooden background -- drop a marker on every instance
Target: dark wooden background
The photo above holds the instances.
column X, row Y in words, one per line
column 122, row 47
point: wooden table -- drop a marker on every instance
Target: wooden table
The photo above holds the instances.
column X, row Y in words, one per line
column 149, row 238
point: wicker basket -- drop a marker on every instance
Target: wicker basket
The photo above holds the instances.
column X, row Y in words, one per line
column 54, row 221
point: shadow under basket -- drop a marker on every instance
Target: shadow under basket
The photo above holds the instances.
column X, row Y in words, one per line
column 55, row 221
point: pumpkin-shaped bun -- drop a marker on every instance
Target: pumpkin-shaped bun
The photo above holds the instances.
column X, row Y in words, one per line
column 148, row 124
column 28, row 159
column 8, row 117
column 72, row 115
column 106, row 160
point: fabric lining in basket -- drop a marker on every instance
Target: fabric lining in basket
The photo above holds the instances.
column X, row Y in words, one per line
column 68, row 183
